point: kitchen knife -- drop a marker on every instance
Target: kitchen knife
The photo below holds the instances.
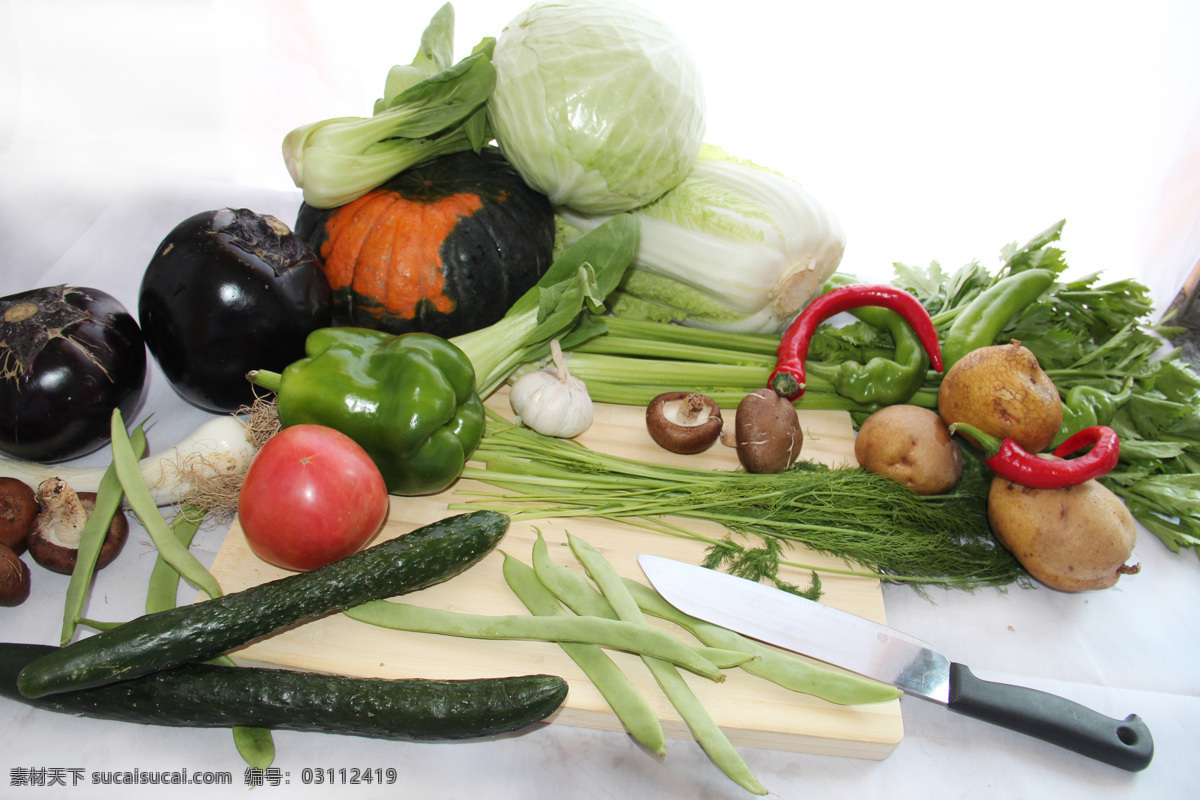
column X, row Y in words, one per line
column 828, row 634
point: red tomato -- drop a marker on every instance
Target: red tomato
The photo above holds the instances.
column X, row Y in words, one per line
column 311, row 496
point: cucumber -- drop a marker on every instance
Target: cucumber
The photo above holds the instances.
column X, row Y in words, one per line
column 212, row 696
column 199, row 631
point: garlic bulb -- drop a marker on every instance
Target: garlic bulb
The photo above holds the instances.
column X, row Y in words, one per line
column 551, row 401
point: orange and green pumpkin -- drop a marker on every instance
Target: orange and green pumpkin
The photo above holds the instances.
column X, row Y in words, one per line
column 445, row 248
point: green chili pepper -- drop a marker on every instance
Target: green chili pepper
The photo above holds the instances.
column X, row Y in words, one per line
column 882, row 380
column 1087, row 406
column 409, row 400
column 984, row 318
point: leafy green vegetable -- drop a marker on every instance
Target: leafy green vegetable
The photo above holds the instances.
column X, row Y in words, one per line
column 883, row 529
column 734, row 246
column 580, row 279
column 597, row 103
column 429, row 109
column 1084, row 332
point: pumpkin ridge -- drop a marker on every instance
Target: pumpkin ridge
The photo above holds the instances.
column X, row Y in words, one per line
column 347, row 230
column 460, row 238
column 416, row 273
column 370, row 265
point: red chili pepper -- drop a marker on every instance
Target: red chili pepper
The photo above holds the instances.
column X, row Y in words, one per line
column 788, row 376
column 1011, row 461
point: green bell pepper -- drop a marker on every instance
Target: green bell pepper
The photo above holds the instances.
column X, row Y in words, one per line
column 408, row 400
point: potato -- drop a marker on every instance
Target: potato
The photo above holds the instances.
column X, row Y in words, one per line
column 1003, row 391
column 1073, row 539
column 912, row 446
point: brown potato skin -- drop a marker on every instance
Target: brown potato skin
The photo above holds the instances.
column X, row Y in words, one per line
column 1003, row 391
column 912, row 446
column 1073, row 539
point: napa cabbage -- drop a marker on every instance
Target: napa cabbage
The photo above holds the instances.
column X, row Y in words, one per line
column 735, row 247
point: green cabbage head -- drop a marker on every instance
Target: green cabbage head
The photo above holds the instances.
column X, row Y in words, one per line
column 597, row 103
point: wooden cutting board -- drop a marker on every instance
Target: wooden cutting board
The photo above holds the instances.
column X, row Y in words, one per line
column 753, row 712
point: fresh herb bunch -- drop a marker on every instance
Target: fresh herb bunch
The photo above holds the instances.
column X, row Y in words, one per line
column 1089, row 336
column 879, row 527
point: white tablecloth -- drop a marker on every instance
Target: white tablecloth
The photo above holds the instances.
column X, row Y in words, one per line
column 88, row 189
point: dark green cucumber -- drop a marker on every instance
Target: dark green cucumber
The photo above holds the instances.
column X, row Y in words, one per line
column 211, row 696
column 208, row 628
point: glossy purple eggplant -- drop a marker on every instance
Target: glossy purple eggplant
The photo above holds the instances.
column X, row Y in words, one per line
column 226, row 292
column 68, row 356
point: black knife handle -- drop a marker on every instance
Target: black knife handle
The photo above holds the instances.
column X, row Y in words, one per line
column 1122, row 743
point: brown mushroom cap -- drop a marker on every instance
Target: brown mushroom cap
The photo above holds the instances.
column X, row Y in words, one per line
column 18, row 509
column 684, row 422
column 58, row 558
column 768, row 433
column 14, row 578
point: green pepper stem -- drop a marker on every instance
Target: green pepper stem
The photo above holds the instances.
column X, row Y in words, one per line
column 990, row 444
column 271, row 381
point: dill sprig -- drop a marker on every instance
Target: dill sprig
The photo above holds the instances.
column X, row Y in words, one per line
column 878, row 527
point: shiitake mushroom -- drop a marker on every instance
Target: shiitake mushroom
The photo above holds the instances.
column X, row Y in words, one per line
column 18, row 510
column 14, row 578
column 684, row 422
column 54, row 540
column 767, row 432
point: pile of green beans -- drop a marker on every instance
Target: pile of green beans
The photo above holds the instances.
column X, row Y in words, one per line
column 173, row 562
column 91, row 538
column 586, row 617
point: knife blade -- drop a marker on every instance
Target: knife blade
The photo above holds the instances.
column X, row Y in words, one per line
column 876, row 651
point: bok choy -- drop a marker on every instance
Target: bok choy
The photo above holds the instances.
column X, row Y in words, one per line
column 430, row 108
column 734, row 247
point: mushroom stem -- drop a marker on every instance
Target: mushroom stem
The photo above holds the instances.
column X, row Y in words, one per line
column 63, row 516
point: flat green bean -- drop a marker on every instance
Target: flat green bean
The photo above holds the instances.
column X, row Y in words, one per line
column 162, row 591
column 791, row 673
column 255, row 745
column 634, row 711
column 704, row 728
column 583, row 630
column 578, row 594
column 91, row 538
column 571, row 588
column 143, row 504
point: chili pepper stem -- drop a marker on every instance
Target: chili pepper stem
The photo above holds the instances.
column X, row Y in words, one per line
column 271, row 381
column 988, row 443
column 787, row 385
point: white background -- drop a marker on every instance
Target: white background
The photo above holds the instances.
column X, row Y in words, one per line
column 934, row 130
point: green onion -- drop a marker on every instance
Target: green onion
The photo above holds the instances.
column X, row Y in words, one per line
column 879, row 527
column 143, row 504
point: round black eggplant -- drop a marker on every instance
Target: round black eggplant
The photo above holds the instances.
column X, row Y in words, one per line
column 68, row 356
column 227, row 292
